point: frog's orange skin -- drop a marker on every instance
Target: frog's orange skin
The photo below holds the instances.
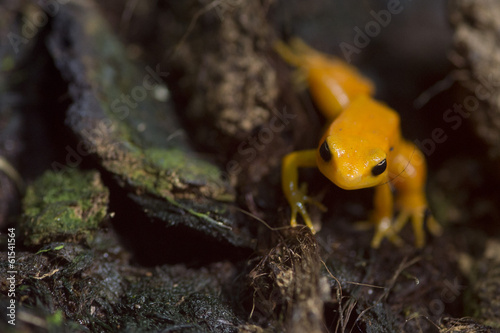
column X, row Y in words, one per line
column 362, row 147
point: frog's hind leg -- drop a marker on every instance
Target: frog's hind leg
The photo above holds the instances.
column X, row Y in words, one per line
column 411, row 202
column 296, row 59
column 302, row 48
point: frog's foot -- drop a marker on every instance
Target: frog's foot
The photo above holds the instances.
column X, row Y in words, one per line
column 384, row 229
column 299, row 206
column 419, row 218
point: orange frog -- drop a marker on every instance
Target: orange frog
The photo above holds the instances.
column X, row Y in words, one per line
column 361, row 147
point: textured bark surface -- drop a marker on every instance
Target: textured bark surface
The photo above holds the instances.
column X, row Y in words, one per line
column 477, row 41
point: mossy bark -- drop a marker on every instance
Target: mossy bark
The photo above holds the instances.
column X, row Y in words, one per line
column 116, row 117
column 67, row 207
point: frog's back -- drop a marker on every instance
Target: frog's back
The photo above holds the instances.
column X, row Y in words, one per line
column 369, row 122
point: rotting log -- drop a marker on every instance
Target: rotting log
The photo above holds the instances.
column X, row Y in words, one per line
column 134, row 135
column 286, row 285
column 476, row 45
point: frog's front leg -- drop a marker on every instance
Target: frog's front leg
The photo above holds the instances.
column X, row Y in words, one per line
column 382, row 216
column 297, row 195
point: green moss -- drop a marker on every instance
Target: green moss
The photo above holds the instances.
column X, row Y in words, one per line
column 177, row 162
column 63, row 206
column 160, row 171
column 56, row 320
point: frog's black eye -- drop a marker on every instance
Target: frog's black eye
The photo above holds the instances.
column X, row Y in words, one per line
column 379, row 168
column 324, row 152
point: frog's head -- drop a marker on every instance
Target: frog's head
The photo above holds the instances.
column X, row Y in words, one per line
column 351, row 163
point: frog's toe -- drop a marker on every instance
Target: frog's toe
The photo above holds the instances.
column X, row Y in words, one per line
column 293, row 219
column 401, row 220
column 316, row 203
column 300, row 209
column 432, row 224
column 384, row 229
column 419, row 218
column 308, row 221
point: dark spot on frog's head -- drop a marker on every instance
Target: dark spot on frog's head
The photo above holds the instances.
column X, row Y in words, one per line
column 324, row 152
